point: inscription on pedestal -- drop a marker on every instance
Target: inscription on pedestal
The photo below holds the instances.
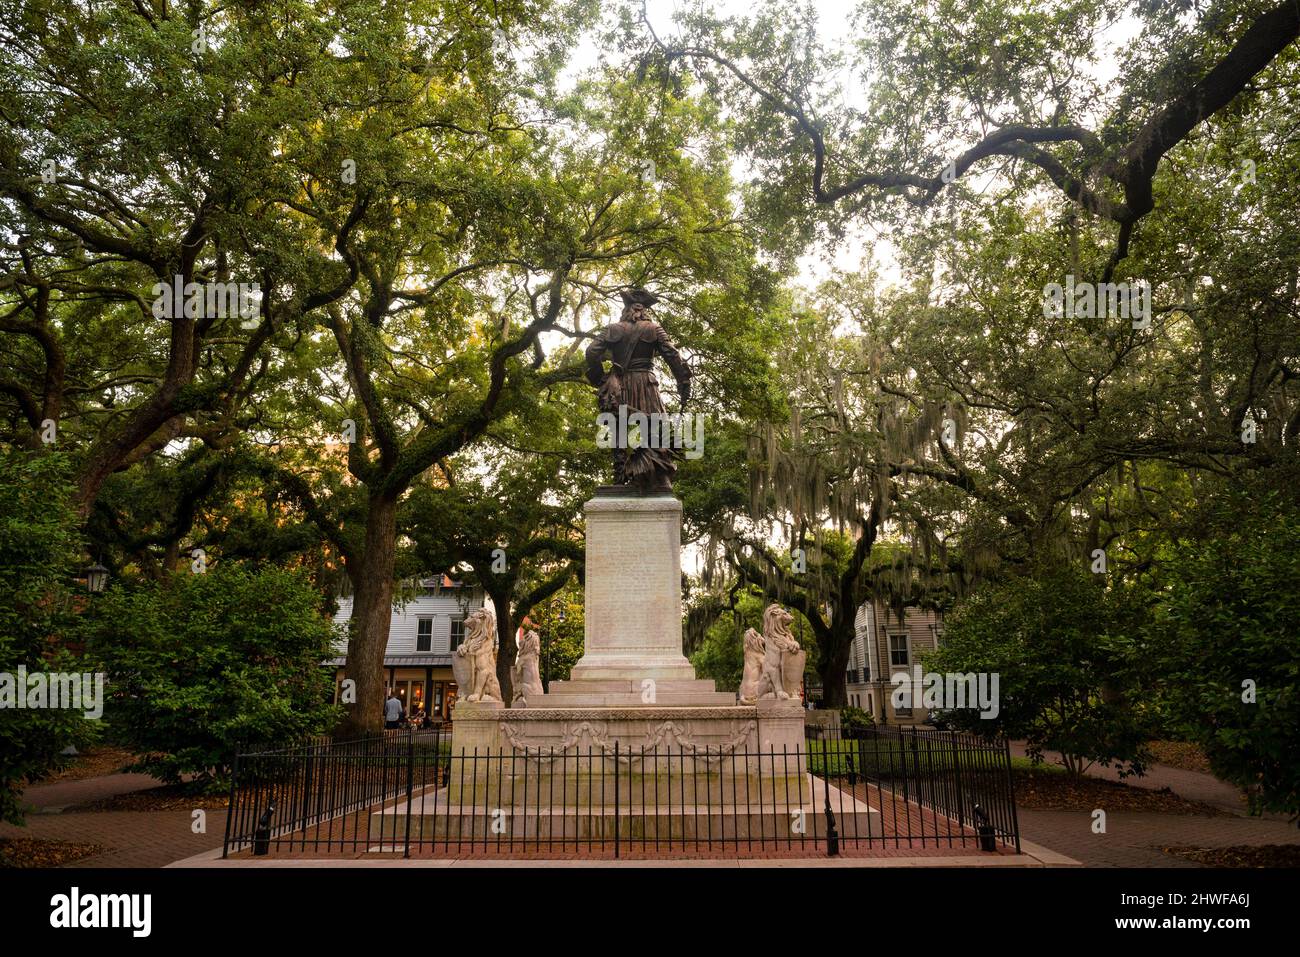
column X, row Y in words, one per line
column 633, row 587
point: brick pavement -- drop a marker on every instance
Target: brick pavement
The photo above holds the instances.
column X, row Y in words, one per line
column 129, row 838
column 58, row 795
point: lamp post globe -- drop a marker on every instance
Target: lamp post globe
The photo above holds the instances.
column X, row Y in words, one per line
column 96, row 578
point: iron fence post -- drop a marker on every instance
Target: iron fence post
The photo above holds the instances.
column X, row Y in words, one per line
column 832, row 835
column 230, row 808
column 306, row 788
column 410, row 773
column 616, row 797
column 958, row 772
column 1011, row 791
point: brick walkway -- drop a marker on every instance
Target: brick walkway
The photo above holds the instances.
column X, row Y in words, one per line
column 130, row 838
column 1192, row 785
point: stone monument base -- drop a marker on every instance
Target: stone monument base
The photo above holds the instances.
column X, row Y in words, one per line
column 572, row 755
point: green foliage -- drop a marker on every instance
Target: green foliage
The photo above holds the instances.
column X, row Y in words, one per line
column 39, row 549
column 721, row 657
column 721, row 653
column 561, row 636
column 201, row 665
column 440, row 297
column 1070, row 662
column 1231, row 615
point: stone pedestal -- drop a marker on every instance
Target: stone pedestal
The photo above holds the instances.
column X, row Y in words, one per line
column 633, row 639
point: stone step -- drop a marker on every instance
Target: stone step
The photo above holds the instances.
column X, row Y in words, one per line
column 632, row 670
column 630, row 686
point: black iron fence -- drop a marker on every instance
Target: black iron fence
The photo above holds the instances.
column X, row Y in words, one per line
column 942, row 779
column 405, row 793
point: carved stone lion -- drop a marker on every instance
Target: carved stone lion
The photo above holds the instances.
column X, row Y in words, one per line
column 774, row 662
column 474, row 662
column 752, row 678
column 525, row 673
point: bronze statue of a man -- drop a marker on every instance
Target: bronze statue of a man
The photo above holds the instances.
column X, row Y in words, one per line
column 631, row 345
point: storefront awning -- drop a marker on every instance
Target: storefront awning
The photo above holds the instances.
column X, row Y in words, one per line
column 402, row 661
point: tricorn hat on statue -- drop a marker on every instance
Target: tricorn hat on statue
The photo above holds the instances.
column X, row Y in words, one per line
column 636, row 296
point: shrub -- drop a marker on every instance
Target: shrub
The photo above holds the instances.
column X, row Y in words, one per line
column 1231, row 616
column 855, row 723
column 1068, row 654
column 202, row 665
column 39, row 552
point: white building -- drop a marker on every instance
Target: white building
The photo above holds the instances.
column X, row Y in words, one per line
column 421, row 637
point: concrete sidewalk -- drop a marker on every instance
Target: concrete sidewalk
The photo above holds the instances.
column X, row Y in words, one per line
column 1033, row 855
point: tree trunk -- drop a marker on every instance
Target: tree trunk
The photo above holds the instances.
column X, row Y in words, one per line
column 506, row 646
column 372, row 610
column 834, row 660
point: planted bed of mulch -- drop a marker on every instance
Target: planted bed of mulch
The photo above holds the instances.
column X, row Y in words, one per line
column 1241, row 855
column 1180, row 754
column 1044, row 789
column 31, row 852
column 92, row 763
column 167, row 797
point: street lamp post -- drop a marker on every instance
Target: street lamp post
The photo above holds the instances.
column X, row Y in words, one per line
column 96, row 578
column 96, row 581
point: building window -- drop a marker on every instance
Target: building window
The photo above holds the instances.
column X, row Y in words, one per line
column 457, row 632
column 898, row 652
column 424, row 634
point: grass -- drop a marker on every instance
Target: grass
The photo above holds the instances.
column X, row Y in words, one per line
column 895, row 756
column 1026, row 765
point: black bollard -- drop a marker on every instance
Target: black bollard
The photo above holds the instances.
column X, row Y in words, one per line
column 832, row 835
column 262, row 836
column 988, row 842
